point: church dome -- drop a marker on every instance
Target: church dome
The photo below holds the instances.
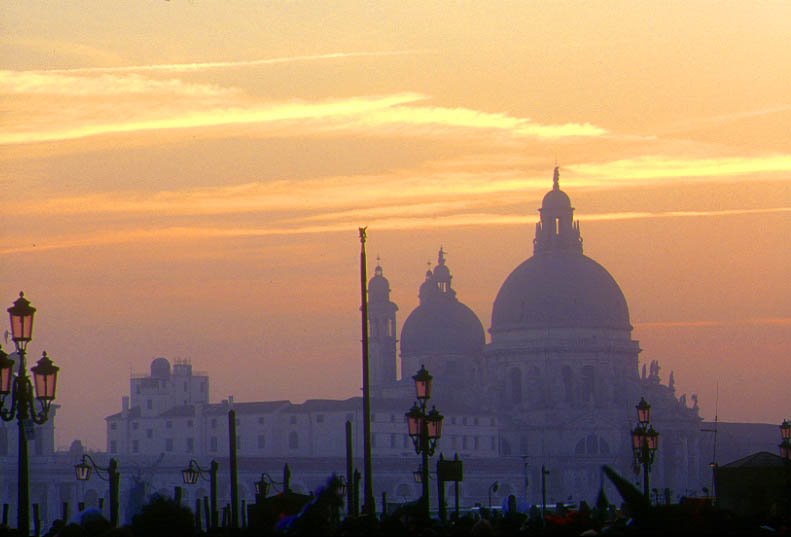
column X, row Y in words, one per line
column 559, row 287
column 441, row 324
column 560, row 290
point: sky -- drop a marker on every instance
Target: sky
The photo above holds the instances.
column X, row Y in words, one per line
column 186, row 179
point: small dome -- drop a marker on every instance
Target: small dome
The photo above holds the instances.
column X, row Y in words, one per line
column 441, row 324
column 442, row 327
column 378, row 287
column 556, row 199
column 160, row 368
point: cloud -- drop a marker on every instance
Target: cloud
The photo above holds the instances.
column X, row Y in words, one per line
column 653, row 167
column 205, row 66
column 69, row 104
column 33, row 83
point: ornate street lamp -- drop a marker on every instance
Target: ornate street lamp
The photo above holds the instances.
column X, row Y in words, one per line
column 785, row 443
column 83, row 473
column 425, row 429
column 645, row 441
column 190, row 476
column 21, row 392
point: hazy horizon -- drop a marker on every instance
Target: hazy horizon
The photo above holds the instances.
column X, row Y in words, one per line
column 186, row 179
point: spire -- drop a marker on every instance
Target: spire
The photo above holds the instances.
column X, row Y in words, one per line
column 441, row 256
column 556, row 179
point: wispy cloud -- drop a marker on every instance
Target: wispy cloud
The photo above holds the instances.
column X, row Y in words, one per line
column 662, row 167
column 205, row 66
column 69, row 104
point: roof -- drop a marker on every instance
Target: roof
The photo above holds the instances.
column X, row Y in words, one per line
column 761, row 459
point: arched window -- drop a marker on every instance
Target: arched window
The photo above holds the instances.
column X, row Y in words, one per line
column 516, row 385
column 293, row 440
column 505, row 447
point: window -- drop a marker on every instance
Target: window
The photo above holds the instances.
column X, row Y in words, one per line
column 393, row 440
column 261, row 420
column 453, row 420
column 134, row 425
column 475, row 443
column 168, row 424
column 135, row 446
column 113, row 447
column 493, row 444
column 373, row 416
column 464, row 442
column 392, row 418
column 373, row 440
column 113, row 426
column 464, row 420
column 293, row 440
column 475, row 421
column 149, row 404
column 293, row 420
column 453, row 441
column 190, row 445
column 261, row 441
column 213, row 443
column 214, row 423
column 168, row 444
column 149, row 433
column 189, row 423
column 319, row 418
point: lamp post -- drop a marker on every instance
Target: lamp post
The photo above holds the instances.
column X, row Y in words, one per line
column 21, row 405
column 645, row 440
column 425, row 429
column 785, row 443
column 83, row 471
column 190, row 476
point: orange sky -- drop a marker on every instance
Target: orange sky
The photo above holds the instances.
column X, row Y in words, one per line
column 186, row 179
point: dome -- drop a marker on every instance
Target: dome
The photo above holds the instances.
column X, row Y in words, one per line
column 556, row 199
column 160, row 368
column 560, row 290
column 442, row 327
column 441, row 324
column 378, row 287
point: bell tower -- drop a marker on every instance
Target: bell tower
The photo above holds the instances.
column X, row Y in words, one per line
column 382, row 326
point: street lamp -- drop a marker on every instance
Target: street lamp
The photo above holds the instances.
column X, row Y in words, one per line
column 83, row 472
column 425, row 429
column 785, row 444
column 21, row 405
column 645, row 441
column 190, row 476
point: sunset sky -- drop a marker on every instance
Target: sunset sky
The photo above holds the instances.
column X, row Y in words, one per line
column 186, row 179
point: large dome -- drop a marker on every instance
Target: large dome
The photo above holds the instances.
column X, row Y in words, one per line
column 559, row 287
column 560, row 290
